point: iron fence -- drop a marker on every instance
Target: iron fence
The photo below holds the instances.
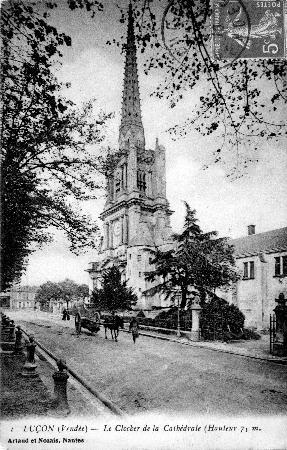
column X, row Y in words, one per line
column 214, row 328
column 212, row 333
column 185, row 323
column 219, row 328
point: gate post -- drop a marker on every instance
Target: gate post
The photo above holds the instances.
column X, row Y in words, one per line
column 280, row 339
column 195, row 311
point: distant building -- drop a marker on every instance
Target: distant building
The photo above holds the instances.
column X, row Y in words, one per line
column 5, row 299
column 19, row 297
column 262, row 260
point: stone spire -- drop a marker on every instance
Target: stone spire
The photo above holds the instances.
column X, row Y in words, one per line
column 131, row 127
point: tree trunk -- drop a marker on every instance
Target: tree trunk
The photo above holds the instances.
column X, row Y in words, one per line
column 183, row 297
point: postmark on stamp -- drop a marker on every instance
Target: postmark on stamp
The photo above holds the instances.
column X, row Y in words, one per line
column 248, row 29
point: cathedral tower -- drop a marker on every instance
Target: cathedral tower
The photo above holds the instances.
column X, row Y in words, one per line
column 136, row 215
column 131, row 128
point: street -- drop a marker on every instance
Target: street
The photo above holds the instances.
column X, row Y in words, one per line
column 161, row 376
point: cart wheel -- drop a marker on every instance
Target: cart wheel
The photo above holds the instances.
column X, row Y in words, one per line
column 96, row 328
column 78, row 323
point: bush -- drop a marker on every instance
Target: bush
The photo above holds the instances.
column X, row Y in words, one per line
column 146, row 321
column 249, row 334
column 220, row 320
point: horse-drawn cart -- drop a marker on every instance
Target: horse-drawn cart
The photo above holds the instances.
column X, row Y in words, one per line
column 87, row 318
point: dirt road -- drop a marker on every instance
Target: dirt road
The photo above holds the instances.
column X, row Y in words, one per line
column 155, row 375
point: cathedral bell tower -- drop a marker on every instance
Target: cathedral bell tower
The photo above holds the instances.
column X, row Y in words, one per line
column 131, row 128
column 136, row 215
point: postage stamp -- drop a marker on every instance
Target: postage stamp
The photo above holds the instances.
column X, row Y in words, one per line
column 248, row 29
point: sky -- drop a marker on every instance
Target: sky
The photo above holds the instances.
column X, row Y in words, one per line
column 96, row 70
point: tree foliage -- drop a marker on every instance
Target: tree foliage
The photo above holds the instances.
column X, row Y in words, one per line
column 198, row 259
column 66, row 291
column 48, row 144
column 241, row 102
column 114, row 295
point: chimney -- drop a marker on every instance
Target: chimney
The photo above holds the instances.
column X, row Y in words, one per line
column 251, row 229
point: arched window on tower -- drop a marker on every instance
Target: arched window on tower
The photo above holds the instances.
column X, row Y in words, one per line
column 111, row 187
column 141, row 180
column 118, row 182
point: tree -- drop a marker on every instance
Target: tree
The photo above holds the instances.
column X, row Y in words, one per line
column 48, row 144
column 66, row 291
column 242, row 102
column 199, row 260
column 114, row 294
column 46, row 292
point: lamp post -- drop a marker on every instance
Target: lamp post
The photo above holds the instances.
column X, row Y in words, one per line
column 178, row 317
column 177, row 297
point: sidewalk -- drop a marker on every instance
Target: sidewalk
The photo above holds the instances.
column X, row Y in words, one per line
column 253, row 348
column 22, row 397
column 19, row 396
column 258, row 349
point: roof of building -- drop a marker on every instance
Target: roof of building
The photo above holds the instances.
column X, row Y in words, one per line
column 24, row 288
column 269, row 242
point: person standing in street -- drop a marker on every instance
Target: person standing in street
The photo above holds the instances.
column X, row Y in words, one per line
column 134, row 329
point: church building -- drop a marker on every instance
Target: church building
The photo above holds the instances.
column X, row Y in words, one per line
column 136, row 216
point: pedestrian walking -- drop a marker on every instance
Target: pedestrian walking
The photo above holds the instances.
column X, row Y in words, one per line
column 134, row 329
column 65, row 313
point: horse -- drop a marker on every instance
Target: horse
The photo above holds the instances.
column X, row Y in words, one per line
column 113, row 323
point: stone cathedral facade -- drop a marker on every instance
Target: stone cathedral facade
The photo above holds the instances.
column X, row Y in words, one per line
column 136, row 216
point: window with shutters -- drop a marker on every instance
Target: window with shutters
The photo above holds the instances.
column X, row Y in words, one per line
column 277, row 266
column 251, row 269
column 245, row 270
column 280, row 266
column 248, row 270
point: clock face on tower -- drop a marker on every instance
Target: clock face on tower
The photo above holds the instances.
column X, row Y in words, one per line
column 117, row 233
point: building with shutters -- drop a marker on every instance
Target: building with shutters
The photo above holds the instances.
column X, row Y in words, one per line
column 262, row 261
column 19, row 297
